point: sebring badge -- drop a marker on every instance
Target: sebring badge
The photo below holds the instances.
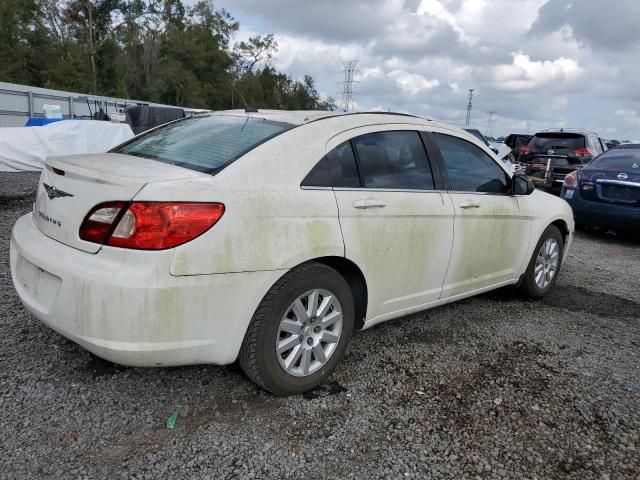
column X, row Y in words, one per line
column 53, row 192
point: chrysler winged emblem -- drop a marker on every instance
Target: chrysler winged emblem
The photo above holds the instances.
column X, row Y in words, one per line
column 622, row 176
column 53, row 192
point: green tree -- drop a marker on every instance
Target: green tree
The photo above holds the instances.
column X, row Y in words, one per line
column 155, row 50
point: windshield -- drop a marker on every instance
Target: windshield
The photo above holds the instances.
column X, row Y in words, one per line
column 619, row 160
column 204, row 143
column 477, row 134
column 561, row 142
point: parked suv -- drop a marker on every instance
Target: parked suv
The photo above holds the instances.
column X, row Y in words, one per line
column 551, row 155
column 516, row 141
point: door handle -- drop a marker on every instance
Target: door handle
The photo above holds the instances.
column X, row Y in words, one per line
column 368, row 203
column 469, row 204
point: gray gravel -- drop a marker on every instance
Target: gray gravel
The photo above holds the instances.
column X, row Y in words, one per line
column 489, row 388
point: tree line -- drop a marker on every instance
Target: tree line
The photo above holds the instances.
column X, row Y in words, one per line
column 160, row 51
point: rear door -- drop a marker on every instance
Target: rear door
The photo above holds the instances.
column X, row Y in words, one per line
column 396, row 227
column 491, row 227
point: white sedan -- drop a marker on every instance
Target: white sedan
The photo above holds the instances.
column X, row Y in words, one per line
column 268, row 237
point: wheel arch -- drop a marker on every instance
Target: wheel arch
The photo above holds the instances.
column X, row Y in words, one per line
column 357, row 283
column 563, row 227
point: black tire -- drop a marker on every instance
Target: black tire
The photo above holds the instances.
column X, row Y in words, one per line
column 258, row 358
column 529, row 286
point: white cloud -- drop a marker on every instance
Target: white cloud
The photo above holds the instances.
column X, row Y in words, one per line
column 538, row 63
column 412, row 83
column 525, row 75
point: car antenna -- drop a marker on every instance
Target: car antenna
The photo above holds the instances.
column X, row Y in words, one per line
column 247, row 108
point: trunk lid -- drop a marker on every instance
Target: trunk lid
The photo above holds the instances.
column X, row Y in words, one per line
column 71, row 186
column 610, row 187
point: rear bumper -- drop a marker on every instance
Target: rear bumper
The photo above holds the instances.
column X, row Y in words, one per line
column 601, row 214
column 124, row 306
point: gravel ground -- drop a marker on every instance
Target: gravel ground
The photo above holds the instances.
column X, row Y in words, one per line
column 489, row 388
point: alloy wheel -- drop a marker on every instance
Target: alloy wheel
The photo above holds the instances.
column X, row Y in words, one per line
column 309, row 332
column 547, row 263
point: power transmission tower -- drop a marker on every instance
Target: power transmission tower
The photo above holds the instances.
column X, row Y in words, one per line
column 489, row 132
column 349, row 70
column 469, row 106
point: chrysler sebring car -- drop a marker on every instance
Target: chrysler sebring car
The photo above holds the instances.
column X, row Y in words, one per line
column 269, row 237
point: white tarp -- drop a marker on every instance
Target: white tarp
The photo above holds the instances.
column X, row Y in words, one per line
column 27, row 148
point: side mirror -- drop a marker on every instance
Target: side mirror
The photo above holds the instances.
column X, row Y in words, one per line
column 522, row 185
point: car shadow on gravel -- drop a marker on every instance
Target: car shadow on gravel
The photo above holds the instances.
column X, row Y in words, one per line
column 575, row 299
column 8, row 202
column 609, row 236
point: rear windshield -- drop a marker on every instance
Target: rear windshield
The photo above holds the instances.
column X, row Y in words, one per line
column 561, row 142
column 620, row 160
column 204, row 143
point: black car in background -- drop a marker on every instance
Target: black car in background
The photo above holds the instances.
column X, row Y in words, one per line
column 516, row 141
column 606, row 192
column 551, row 155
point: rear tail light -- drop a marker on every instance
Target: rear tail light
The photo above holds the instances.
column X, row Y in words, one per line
column 582, row 152
column 524, row 150
column 571, row 180
column 149, row 225
column 98, row 224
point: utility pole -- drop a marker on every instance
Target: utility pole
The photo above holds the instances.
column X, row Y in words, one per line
column 489, row 132
column 349, row 69
column 469, row 106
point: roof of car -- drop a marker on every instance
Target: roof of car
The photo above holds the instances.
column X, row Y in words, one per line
column 632, row 146
column 581, row 131
column 301, row 117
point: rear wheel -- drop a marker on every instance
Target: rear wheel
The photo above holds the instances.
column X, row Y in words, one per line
column 544, row 266
column 300, row 330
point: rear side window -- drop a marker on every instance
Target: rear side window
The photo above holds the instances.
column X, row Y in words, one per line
column 561, row 143
column 318, row 176
column 393, row 160
column 342, row 167
column 469, row 169
column 206, row 144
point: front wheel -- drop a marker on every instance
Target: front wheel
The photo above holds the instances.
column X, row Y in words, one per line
column 544, row 266
column 300, row 330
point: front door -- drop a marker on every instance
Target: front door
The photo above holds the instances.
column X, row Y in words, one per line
column 491, row 228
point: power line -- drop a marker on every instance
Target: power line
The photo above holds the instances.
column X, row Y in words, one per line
column 349, row 70
column 469, row 106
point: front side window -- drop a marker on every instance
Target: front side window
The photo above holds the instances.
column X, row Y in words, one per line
column 204, row 143
column 469, row 169
column 394, row 159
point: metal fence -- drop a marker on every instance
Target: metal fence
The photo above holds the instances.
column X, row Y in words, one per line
column 19, row 102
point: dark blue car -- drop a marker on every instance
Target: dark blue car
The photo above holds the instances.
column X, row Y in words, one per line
column 606, row 192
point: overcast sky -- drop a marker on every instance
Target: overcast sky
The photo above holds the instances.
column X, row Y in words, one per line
column 537, row 63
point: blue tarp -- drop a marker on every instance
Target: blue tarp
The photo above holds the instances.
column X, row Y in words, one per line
column 41, row 121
